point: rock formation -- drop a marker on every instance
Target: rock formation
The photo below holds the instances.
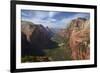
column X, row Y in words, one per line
column 78, row 34
column 35, row 38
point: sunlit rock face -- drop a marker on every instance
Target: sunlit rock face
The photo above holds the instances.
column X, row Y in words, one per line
column 35, row 38
column 79, row 38
column 27, row 29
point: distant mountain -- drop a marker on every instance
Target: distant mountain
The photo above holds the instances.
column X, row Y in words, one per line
column 35, row 38
column 55, row 30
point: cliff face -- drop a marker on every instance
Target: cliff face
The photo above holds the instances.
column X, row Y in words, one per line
column 35, row 38
column 71, row 43
column 78, row 34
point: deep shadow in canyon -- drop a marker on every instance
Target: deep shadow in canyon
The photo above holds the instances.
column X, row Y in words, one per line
column 40, row 39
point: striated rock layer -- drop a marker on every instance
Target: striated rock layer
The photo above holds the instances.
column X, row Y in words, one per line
column 79, row 38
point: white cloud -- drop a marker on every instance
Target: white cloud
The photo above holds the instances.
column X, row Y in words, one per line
column 51, row 14
column 47, row 19
column 26, row 14
column 53, row 20
column 40, row 15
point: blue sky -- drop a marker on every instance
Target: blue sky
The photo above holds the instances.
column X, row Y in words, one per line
column 51, row 19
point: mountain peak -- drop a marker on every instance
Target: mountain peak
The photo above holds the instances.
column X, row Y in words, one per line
column 80, row 18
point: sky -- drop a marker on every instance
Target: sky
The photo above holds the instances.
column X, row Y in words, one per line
column 52, row 19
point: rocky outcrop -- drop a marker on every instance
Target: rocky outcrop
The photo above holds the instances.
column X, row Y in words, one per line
column 35, row 38
column 79, row 38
